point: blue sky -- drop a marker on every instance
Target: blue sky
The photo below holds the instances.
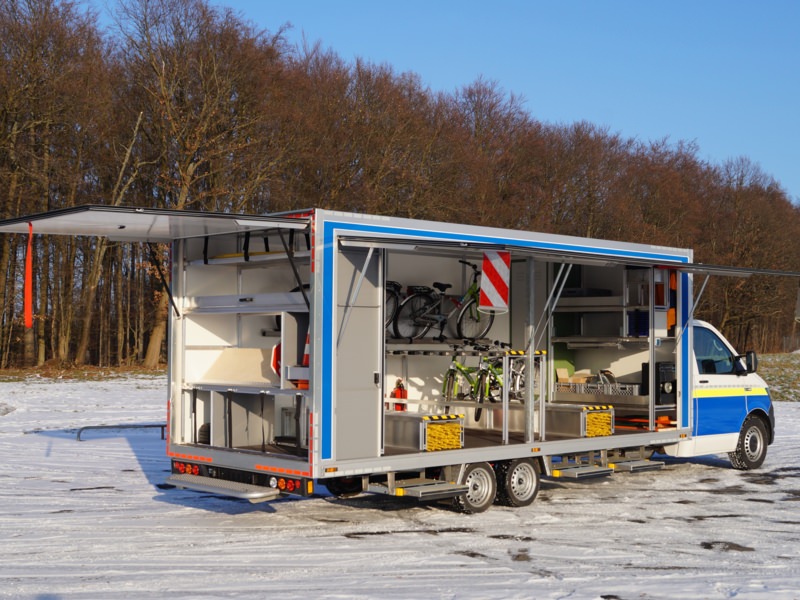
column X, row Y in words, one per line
column 723, row 74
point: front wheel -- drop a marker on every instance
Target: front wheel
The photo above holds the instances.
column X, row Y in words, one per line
column 752, row 447
column 483, row 390
column 408, row 322
column 482, row 489
column 473, row 324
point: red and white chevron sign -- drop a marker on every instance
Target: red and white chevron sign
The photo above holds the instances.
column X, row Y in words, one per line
column 494, row 281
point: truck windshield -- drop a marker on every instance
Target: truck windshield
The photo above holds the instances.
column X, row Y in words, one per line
column 711, row 353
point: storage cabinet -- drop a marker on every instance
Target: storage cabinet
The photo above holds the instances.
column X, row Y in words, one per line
column 244, row 322
column 612, row 304
column 242, row 318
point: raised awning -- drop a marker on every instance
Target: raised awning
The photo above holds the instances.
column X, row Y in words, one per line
column 128, row 224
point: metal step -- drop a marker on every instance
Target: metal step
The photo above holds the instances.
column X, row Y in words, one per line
column 233, row 489
column 424, row 489
column 632, row 466
column 581, row 471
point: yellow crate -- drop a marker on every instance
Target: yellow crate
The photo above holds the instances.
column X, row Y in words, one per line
column 448, row 435
column 599, row 424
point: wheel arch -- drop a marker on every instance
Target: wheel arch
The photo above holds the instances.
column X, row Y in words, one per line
column 768, row 418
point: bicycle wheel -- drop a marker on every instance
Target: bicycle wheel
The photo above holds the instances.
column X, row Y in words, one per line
column 406, row 322
column 449, row 387
column 483, row 388
column 473, row 324
column 392, row 302
column 517, row 383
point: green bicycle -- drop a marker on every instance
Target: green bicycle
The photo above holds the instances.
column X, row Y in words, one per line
column 460, row 380
column 483, row 383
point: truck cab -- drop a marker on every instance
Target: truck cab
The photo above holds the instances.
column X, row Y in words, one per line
column 731, row 406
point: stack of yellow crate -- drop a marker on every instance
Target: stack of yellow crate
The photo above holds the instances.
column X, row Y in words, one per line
column 599, row 421
column 443, row 432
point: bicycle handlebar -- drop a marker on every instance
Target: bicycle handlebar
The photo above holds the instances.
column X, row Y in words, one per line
column 469, row 264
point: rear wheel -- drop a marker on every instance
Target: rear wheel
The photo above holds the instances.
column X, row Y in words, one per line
column 344, row 487
column 455, row 386
column 392, row 302
column 517, row 482
column 752, row 447
column 482, row 489
column 406, row 322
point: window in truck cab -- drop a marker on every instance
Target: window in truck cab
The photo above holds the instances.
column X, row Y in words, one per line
column 711, row 353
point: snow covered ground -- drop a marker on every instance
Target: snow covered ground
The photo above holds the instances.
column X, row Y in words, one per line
column 91, row 519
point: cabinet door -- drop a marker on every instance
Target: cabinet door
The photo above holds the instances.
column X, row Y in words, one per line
column 359, row 353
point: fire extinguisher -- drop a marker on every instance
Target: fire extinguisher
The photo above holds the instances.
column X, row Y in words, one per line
column 399, row 392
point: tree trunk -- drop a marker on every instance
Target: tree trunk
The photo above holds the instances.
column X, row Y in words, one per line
column 119, row 319
column 88, row 299
column 157, row 334
column 41, row 323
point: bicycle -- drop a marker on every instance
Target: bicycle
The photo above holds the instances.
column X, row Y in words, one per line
column 422, row 309
column 459, row 381
column 491, row 379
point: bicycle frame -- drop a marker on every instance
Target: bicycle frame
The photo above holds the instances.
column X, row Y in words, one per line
column 458, row 301
column 435, row 313
column 424, row 307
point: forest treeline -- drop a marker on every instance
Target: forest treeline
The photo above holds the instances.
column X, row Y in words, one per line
column 182, row 105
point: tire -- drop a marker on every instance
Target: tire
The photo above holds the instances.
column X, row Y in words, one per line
column 517, row 384
column 204, row 434
column 343, row 487
column 482, row 386
column 752, row 447
column 473, row 324
column 392, row 302
column 482, row 482
column 450, row 386
column 517, row 482
column 405, row 324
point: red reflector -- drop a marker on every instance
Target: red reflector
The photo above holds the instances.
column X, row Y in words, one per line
column 195, row 470
column 290, row 485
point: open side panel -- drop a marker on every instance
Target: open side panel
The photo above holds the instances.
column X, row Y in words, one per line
column 128, row 224
column 358, row 351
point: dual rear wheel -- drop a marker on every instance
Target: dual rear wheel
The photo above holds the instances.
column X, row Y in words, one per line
column 510, row 483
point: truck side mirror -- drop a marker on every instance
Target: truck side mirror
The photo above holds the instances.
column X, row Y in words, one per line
column 751, row 360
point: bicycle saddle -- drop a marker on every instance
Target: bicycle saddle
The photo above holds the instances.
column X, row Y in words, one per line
column 442, row 287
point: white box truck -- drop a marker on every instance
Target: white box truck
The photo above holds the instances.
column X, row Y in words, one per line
column 364, row 353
